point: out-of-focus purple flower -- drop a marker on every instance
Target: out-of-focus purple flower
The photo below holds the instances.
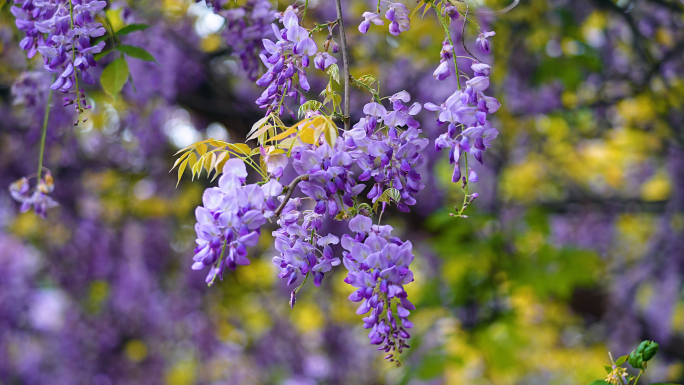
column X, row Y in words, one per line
column 38, row 198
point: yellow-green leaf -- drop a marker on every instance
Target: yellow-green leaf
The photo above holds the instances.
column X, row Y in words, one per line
column 240, row 148
column 181, row 169
column 114, row 76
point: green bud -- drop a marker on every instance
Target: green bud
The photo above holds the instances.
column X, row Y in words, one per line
column 650, row 351
column 642, row 346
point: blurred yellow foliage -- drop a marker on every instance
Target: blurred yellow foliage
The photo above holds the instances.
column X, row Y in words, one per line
column 182, row 373
column 657, row 188
column 136, row 350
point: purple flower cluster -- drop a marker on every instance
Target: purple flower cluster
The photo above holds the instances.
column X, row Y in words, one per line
column 467, row 110
column 39, row 198
column 299, row 245
column 246, row 26
column 391, row 158
column 287, row 57
column 378, row 266
column 331, row 182
column 397, row 14
column 29, row 89
column 231, row 219
column 61, row 30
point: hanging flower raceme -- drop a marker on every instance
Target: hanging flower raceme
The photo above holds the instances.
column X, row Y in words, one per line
column 378, row 267
column 467, row 112
column 231, row 219
column 302, row 250
column 390, row 158
column 287, row 57
column 331, row 182
column 38, row 198
column 61, row 30
column 246, row 27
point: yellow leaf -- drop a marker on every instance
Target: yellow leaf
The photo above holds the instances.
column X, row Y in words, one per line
column 197, row 167
column 283, row 134
column 258, row 125
column 221, row 161
column 192, row 160
column 209, row 159
column 179, row 160
column 180, row 170
column 260, row 132
column 255, row 151
column 201, row 149
column 307, row 135
column 186, row 148
column 331, row 133
column 286, row 143
column 240, row 148
column 217, row 143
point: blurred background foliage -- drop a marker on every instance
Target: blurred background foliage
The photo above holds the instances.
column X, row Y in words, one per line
column 574, row 248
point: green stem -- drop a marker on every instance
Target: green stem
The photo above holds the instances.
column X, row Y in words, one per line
column 44, row 134
column 637, row 379
column 446, row 30
column 223, row 252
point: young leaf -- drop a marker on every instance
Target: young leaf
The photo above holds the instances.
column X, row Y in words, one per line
column 621, row 360
column 131, row 28
column 258, row 125
column 201, row 148
column 598, row 382
column 180, row 171
column 114, row 76
column 136, row 52
column 179, row 160
column 240, row 148
column 192, row 160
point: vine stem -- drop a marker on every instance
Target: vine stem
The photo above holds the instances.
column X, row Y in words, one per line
column 290, row 191
column 44, row 134
column 345, row 61
column 446, row 30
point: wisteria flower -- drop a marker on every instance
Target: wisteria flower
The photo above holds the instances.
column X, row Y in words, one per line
column 482, row 41
column 369, row 17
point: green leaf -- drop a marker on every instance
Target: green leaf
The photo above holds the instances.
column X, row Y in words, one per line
column 598, row 382
column 102, row 54
column 136, row 52
column 310, row 105
column 608, row 368
column 114, row 76
column 334, row 72
column 131, row 28
column 621, row 360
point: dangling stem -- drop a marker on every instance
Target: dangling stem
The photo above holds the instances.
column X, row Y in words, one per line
column 44, row 134
column 345, row 61
column 446, row 30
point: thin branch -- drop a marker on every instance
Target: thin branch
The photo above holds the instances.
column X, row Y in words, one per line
column 290, row 191
column 44, row 133
column 345, row 61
